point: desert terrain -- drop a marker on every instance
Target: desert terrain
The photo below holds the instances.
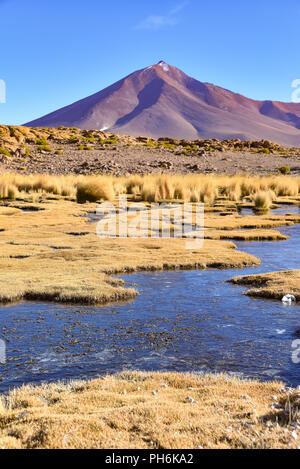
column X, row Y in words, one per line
column 74, row 151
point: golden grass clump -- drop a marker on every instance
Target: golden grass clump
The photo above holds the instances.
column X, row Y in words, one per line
column 284, row 187
column 263, row 201
column 57, row 185
column 272, row 285
column 234, row 191
column 135, row 182
column 149, row 193
column 166, row 188
column 181, row 193
column 8, row 191
column 195, row 195
column 94, row 191
column 248, row 187
column 208, row 192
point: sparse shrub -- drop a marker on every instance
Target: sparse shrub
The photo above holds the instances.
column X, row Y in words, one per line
column 169, row 146
column 74, row 139
column 209, row 148
column 41, row 141
column 158, row 187
column 191, row 148
column 5, row 152
column 168, row 188
column 84, row 147
column 111, row 141
column 265, row 151
column 284, row 170
column 46, row 148
column 90, row 139
column 66, row 190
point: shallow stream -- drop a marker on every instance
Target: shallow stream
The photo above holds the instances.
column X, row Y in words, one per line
column 181, row 321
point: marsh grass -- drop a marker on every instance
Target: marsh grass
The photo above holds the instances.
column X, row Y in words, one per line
column 40, row 258
column 207, row 189
column 158, row 187
column 272, row 285
column 121, row 412
column 8, row 191
column 263, row 200
column 93, row 191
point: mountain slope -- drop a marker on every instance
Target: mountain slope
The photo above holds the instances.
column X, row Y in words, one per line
column 163, row 101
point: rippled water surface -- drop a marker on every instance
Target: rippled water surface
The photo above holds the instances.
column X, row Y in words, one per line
column 182, row 321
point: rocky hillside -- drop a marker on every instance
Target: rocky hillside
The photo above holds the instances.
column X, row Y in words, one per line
column 72, row 150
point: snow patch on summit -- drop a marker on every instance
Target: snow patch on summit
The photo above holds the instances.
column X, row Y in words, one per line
column 164, row 66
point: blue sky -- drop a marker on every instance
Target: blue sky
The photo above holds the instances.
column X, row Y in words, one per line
column 56, row 52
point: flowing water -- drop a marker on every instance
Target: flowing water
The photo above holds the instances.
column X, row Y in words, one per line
column 182, row 321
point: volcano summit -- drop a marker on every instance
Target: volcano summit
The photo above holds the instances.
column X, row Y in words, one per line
column 161, row 100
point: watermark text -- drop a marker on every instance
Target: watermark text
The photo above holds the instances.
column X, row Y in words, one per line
column 2, row 352
column 179, row 220
column 296, row 92
column 296, row 352
column 2, row 92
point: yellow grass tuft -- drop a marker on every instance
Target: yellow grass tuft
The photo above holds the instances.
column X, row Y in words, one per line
column 94, row 191
column 262, row 201
column 8, row 191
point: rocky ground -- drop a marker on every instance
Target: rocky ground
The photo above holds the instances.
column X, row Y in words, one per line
column 73, row 151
